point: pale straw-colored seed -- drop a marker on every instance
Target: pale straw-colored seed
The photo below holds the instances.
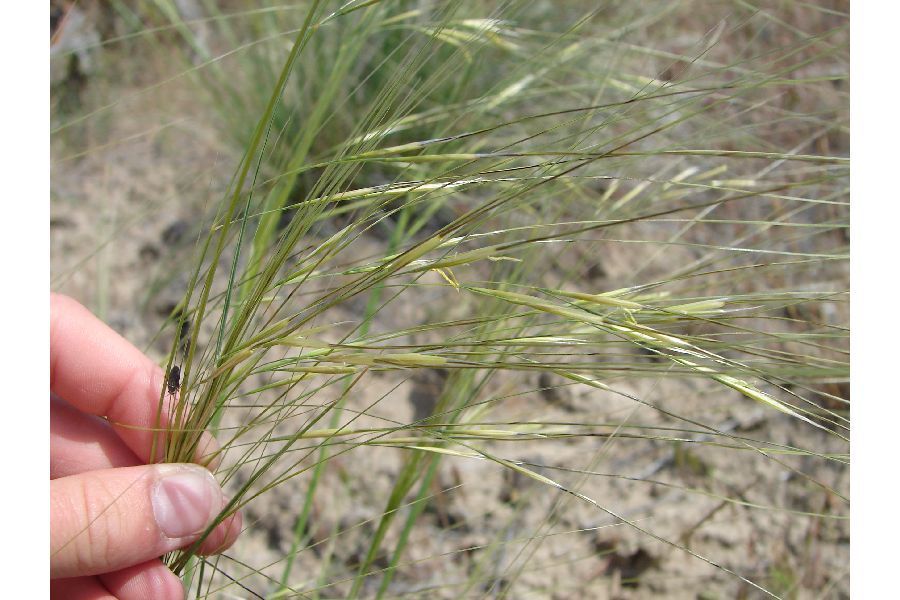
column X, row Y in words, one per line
column 698, row 307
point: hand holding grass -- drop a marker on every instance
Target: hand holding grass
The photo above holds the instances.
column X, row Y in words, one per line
column 112, row 513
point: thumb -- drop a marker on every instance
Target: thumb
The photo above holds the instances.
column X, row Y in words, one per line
column 105, row 520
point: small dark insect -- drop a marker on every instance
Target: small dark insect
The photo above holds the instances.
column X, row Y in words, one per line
column 184, row 337
column 185, row 329
column 173, row 381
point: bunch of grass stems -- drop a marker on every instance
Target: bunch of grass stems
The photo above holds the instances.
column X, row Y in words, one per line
column 504, row 153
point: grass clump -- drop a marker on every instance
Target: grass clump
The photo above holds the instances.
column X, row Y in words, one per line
column 616, row 268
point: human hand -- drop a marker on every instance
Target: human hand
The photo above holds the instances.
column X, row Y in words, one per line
column 112, row 514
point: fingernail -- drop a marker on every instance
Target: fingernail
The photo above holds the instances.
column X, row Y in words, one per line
column 185, row 499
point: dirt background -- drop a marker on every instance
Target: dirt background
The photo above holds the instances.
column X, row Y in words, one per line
column 129, row 192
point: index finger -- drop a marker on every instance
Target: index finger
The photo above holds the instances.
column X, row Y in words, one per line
column 101, row 373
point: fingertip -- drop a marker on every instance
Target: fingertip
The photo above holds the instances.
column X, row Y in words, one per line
column 151, row 579
column 208, row 452
column 107, row 520
column 81, row 442
column 223, row 536
column 99, row 372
